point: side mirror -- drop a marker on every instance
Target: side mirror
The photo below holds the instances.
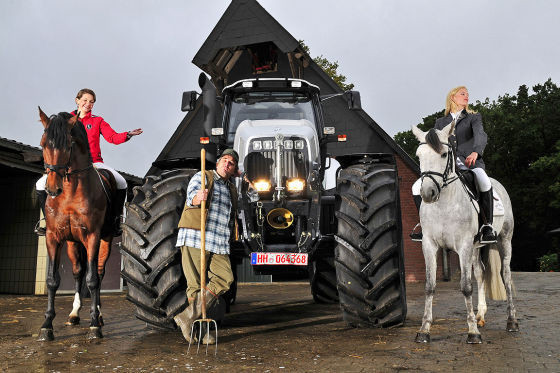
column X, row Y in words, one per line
column 354, row 101
column 189, row 101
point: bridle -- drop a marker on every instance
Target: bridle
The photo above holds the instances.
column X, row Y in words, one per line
column 449, row 169
column 65, row 167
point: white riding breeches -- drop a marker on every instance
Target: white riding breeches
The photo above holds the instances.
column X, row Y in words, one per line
column 482, row 181
column 121, row 182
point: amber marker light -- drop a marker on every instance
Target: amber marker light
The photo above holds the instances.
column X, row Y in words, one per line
column 341, row 137
column 205, row 140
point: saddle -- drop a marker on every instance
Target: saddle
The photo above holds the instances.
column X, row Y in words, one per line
column 467, row 178
column 110, row 189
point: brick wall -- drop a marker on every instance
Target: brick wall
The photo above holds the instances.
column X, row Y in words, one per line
column 415, row 269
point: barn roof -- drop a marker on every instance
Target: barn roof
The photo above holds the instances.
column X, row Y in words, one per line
column 244, row 22
column 224, row 57
column 18, row 155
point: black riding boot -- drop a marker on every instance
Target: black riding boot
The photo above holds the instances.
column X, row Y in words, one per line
column 417, row 236
column 42, row 198
column 118, row 205
column 487, row 234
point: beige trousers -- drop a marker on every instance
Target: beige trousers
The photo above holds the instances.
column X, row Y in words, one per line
column 219, row 276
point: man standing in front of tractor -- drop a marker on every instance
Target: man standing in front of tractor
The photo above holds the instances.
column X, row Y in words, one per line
column 221, row 197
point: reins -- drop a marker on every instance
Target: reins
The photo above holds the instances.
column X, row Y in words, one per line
column 65, row 167
column 449, row 169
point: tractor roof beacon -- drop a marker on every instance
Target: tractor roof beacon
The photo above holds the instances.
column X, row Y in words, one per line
column 337, row 219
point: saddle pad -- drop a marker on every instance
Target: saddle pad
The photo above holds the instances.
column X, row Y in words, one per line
column 498, row 205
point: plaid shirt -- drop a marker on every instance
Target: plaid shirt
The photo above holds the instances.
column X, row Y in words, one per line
column 218, row 221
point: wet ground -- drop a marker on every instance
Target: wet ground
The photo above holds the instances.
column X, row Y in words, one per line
column 278, row 328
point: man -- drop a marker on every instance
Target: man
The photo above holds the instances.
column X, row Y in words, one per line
column 221, row 197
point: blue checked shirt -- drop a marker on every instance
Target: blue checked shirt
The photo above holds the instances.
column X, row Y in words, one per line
column 217, row 223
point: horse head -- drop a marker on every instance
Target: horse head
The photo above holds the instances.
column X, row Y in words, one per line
column 436, row 160
column 58, row 142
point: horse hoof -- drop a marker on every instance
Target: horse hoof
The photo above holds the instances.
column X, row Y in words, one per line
column 422, row 338
column 94, row 333
column 72, row 321
column 46, row 335
column 512, row 326
column 481, row 323
column 474, row 338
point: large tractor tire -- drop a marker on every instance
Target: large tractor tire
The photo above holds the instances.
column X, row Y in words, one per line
column 369, row 252
column 152, row 263
column 322, row 277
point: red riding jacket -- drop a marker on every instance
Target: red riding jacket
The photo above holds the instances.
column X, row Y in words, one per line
column 96, row 126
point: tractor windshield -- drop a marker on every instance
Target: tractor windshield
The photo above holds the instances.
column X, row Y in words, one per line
column 268, row 106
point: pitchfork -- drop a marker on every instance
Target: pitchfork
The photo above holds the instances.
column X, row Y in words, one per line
column 204, row 320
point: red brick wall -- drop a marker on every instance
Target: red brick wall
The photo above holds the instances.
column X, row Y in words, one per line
column 415, row 269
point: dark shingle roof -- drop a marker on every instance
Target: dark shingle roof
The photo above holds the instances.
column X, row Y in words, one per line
column 244, row 22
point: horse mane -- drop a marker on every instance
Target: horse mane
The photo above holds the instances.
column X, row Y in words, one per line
column 433, row 140
column 57, row 132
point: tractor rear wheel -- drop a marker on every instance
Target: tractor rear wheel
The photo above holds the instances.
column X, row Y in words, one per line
column 369, row 252
column 152, row 263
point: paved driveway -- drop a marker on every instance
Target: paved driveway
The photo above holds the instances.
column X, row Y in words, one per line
column 278, row 328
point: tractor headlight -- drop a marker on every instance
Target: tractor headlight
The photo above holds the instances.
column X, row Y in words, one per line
column 267, row 144
column 295, row 185
column 262, row 185
column 288, row 144
column 299, row 144
column 257, row 145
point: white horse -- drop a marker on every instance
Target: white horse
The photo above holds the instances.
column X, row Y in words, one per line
column 449, row 220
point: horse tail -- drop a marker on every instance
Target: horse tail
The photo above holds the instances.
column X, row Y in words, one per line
column 492, row 278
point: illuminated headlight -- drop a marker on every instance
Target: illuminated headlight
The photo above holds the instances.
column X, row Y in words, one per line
column 262, row 185
column 217, row 131
column 267, row 144
column 296, row 84
column 247, row 84
column 288, row 144
column 257, row 145
column 299, row 144
column 295, row 185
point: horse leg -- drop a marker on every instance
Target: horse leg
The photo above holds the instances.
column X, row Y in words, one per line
column 466, row 262
column 78, row 273
column 478, row 274
column 104, row 252
column 505, row 248
column 92, row 280
column 53, row 281
column 430, row 251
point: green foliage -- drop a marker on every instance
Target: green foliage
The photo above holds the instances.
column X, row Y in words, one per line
column 549, row 263
column 523, row 153
column 331, row 68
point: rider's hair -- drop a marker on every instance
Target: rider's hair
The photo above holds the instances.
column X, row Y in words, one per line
column 450, row 105
column 83, row 91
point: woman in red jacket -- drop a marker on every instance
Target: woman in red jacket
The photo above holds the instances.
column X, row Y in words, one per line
column 95, row 126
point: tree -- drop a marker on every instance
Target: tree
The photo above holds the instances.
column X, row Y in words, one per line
column 331, row 68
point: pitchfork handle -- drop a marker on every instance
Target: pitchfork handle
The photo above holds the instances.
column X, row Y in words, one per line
column 203, row 234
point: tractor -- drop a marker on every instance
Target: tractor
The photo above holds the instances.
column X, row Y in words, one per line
column 337, row 219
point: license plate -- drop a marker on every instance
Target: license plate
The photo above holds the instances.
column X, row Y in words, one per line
column 298, row 259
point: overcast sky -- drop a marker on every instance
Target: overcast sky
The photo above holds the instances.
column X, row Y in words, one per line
column 403, row 56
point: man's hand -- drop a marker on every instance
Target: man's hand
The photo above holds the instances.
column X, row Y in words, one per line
column 201, row 195
column 471, row 159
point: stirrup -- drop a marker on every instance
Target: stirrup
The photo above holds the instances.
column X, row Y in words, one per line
column 416, row 236
column 487, row 237
column 40, row 231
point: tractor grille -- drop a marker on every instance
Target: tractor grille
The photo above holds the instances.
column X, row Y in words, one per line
column 262, row 164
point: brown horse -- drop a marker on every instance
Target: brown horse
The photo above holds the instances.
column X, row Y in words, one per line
column 75, row 212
